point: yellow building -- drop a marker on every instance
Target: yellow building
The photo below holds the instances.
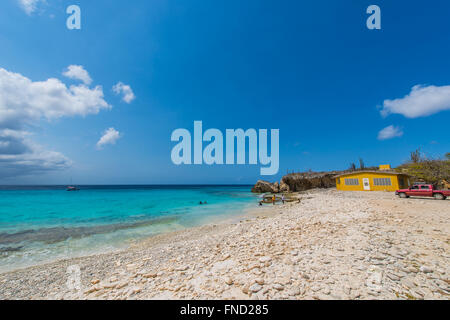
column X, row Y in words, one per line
column 365, row 180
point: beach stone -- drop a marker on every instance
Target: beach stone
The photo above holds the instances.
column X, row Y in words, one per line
column 150, row 275
column 245, row 289
column 182, row 268
column 108, row 285
column 407, row 283
column 255, row 288
column 278, row 286
column 122, row 285
column 265, row 259
column 392, row 276
column 426, row 269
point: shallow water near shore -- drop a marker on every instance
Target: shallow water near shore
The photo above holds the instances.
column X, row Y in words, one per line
column 43, row 224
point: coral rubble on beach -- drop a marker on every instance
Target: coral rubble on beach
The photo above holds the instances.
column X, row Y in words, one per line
column 332, row 245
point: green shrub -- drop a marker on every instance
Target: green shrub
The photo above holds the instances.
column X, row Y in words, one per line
column 429, row 170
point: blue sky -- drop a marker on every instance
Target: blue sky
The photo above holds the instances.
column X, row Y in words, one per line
column 311, row 69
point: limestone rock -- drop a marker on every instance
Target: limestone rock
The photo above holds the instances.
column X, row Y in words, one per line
column 264, row 186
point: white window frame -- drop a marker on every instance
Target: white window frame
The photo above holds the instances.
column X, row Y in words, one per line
column 351, row 181
column 382, row 182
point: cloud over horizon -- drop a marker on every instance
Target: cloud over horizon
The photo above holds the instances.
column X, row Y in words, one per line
column 21, row 156
column 422, row 101
column 390, row 132
column 110, row 136
column 23, row 104
column 126, row 91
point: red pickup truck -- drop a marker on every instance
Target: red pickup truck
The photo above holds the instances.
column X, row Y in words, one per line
column 423, row 190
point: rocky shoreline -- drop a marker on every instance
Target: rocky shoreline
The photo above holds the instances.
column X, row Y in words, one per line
column 297, row 182
column 332, row 245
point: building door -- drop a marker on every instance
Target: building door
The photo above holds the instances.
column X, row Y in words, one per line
column 366, row 184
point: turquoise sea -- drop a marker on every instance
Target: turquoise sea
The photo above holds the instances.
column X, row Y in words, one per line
column 42, row 224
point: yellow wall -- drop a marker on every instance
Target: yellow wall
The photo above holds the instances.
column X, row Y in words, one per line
column 340, row 182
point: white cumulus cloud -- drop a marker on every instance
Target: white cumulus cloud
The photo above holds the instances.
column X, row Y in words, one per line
column 390, row 132
column 125, row 90
column 110, row 136
column 420, row 102
column 29, row 6
column 23, row 101
column 23, row 104
column 78, row 73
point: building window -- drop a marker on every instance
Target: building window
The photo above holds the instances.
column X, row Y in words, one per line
column 351, row 182
column 382, row 181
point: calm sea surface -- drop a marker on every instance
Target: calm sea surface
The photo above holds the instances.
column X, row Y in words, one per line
column 42, row 224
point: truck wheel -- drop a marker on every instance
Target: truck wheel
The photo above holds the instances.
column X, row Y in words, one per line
column 439, row 196
column 402, row 195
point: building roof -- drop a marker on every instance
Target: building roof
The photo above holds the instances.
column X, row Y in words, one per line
column 371, row 171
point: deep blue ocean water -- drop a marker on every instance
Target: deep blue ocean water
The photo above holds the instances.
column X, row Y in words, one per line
column 41, row 224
